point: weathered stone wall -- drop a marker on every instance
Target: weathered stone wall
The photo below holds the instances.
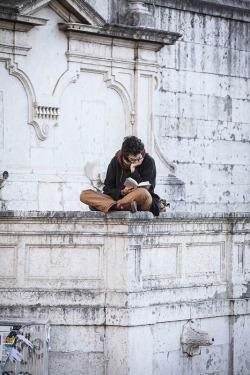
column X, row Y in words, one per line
column 200, row 118
column 203, row 108
column 119, row 288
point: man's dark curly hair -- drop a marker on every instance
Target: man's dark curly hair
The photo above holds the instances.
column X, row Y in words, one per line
column 132, row 145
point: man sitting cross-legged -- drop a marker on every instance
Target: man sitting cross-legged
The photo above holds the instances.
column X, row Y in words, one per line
column 131, row 161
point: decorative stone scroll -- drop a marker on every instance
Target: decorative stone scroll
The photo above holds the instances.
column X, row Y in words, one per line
column 45, row 117
column 192, row 339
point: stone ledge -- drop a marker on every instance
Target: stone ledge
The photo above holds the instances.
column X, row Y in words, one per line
column 128, row 317
column 137, row 34
column 122, row 215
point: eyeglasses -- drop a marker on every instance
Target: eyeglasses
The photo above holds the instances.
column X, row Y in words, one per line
column 135, row 160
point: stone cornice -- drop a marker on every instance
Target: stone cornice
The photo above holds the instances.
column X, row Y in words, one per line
column 19, row 18
column 89, row 215
column 125, row 32
column 232, row 9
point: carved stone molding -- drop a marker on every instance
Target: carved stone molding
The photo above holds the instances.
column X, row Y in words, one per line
column 41, row 115
column 124, row 32
column 62, row 12
column 137, row 6
column 112, row 83
column 164, row 160
column 192, row 338
column 44, row 118
column 48, row 113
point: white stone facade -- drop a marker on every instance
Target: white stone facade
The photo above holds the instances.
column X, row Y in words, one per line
column 84, row 90
column 77, row 90
column 127, row 294
column 119, row 289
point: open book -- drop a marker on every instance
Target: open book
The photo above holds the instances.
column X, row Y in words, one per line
column 130, row 182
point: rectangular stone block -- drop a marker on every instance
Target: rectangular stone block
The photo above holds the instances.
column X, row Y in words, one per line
column 218, row 328
column 244, row 64
column 167, row 337
column 55, row 297
column 50, row 195
column 239, row 35
column 219, row 109
column 206, row 151
column 176, row 80
column 193, row 82
column 58, row 315
column 240, row 337
column 170, row 363
column 221, row 130
column 203, row 29
column 245, row 132
column 177, row 128
column 77, row 338
column 191, row 106
column 147, row 55
column 167, row 57
column 189, row 57
column 121, row 51
column 220, row 60
column 90, row 47
column 129, row 352
column 72, row 191
column 75, row 205
column 20, row 191
column 117, row 355
column 6, row 36
column 22, row 205
column 213, row 359
column 167, row 18
column 210, row 309
column 68, row 363
column 42, row 158
column 241, row 110
column 206, row 174
column 216, row 30
column 167, row 105
column 97, row 364
column 214, row 193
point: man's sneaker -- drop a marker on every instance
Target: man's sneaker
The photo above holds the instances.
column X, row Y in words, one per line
column 92, row 208
column 132, row 207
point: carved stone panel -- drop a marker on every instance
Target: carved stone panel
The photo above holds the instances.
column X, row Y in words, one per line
column 161, row 262
column 205, row 259
column 57, row 263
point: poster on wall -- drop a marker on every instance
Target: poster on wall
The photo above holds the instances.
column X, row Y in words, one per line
column 24, row 349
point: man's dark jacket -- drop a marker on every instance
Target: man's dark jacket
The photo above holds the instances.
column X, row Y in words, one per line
column 116, row 176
